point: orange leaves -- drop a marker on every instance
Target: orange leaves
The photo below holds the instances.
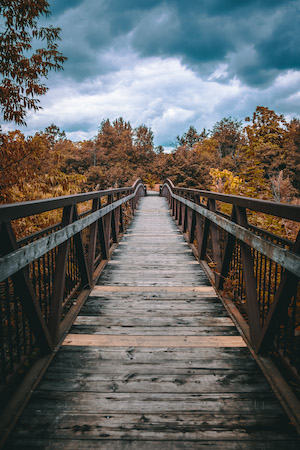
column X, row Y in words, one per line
column 21, row 73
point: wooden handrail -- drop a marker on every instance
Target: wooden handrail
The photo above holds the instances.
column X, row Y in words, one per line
column 283, row 210
column 14, row 211
column 41, row 273
column 265, row 268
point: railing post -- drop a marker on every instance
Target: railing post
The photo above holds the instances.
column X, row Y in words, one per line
column 185, row 215
column 215, row 241
column 177, row 205
column 104, row 243
column 115, row 221
column 59, row 278
column 191, row 222
column 202, row 234
column 86, row 278
column 250, row 282
column 93, row 239
column 228, row 251
column 121, row 220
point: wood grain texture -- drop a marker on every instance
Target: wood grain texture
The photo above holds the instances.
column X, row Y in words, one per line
column 153, row 361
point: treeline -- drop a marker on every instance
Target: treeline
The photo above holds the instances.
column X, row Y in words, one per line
column 261, row 159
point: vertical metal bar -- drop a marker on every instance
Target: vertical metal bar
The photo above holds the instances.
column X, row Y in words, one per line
column 17, row 331
column 9, row 330
column 23, row 288
column 2, row 349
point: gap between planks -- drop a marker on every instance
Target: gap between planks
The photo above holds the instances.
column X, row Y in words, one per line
column 88, row 340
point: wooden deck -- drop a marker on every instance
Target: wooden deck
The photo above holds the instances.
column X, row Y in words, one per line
column 153, row 361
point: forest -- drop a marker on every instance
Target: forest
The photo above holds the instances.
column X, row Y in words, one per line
column 259, row 160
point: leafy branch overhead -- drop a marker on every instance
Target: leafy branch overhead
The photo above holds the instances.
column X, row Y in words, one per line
column 22, row 68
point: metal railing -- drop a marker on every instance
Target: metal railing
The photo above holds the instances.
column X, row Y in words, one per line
column 258, row 270
column 41, row 275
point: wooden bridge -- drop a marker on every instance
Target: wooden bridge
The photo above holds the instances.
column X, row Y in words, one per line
column 170, row 333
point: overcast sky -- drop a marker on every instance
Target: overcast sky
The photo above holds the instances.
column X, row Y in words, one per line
column 171, row 64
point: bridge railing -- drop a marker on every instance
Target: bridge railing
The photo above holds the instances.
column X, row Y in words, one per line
column 42, row 275
column 258, row 270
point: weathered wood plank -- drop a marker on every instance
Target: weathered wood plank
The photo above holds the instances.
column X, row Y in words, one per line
column 130, row 320
column 168, row 359
column 139, row 403
column 214, row 381
column 166, row 332
column 176, row 289
column 181, row 427
column 112, row 340
column 153, row 361
column 103, row 443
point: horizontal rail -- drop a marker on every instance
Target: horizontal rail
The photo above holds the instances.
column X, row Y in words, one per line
column 258, row 270
column 43, row 273
column 282, row 210
column 20, row 258
column 24, row 209
column 287, row 259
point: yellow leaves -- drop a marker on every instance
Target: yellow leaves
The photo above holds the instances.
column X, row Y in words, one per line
column 207, row 146
column 226, row 182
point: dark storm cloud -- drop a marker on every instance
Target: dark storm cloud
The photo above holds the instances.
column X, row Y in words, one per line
column 170, row 63
column 201, row 33
column 59, row 6
column 216, row 30
column 282, row 49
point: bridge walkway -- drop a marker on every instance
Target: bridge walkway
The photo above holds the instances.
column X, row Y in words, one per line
column 153, row 361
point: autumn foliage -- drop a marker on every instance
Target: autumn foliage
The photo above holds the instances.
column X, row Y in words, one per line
column 22, row 67
column 260, row 160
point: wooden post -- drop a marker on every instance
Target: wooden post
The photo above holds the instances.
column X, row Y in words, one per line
column 59, row 278
column 93, row 239
column 86, row 278
column 250, row 282
column 228, row 251
column 215, row 241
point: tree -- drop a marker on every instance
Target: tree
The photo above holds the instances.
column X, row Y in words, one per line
column 54, row 135
column 266, row 126
column 21, row 68
column 228, row 133
column 190, row 138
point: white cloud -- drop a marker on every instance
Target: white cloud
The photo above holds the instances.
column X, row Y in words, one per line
column 162, row 93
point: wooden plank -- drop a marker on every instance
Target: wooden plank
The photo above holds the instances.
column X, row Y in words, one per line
column 149, row 360
column 165, row 426
column 102, row 443
column 135, row 371
column 153, row 341
column 131, row 320
column 162, row 331
column 94, row 402
column 161, row 306
column 202, row 289
column 132, row 382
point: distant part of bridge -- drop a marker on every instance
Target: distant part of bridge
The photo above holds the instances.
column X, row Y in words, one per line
column 132, row 346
